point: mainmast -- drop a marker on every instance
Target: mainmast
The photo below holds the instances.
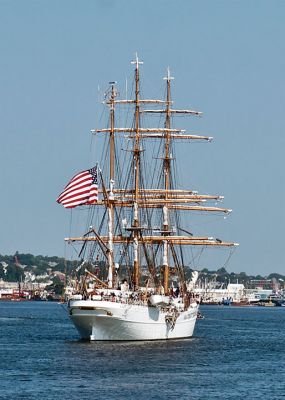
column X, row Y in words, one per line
column 166, row 183
column 167, row 135
column 110, row 202
column 136, row 152
column 112, row 127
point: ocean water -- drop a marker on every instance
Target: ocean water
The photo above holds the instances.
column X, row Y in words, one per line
column 236, row 353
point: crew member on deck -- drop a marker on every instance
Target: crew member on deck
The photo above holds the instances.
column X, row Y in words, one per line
column 124, row 286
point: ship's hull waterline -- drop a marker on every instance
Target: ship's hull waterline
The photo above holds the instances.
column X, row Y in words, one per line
column 105, row 320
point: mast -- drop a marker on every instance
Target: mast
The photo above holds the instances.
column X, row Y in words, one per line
column 112, row 127
column 167, row 135
column 110, row 202
column 166, row 168
column 136, row 152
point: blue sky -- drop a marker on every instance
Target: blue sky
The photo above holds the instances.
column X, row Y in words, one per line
column 228, row 61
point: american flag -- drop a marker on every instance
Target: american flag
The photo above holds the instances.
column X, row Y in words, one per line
column 82, row 189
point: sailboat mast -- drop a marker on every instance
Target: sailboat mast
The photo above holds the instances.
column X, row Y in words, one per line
column 167, row 136
column 137, row 133
column 110, row 205
column 166, row 168
column 136, row 152
column 112, row 127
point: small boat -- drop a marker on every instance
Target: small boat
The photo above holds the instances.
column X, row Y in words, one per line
column 200, row 316
column 227, row 302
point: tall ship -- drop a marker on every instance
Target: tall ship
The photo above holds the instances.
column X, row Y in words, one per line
column 132, row 282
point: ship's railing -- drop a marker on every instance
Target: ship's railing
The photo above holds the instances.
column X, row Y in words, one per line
column 139, row 299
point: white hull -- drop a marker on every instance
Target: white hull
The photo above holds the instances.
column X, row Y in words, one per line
column 106, row 320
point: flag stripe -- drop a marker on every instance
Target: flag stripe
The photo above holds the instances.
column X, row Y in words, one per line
column 75, row 182
column 78, row 195
column 78, row 182
column 78, row 189
column 81, row 189
column 84, row 196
